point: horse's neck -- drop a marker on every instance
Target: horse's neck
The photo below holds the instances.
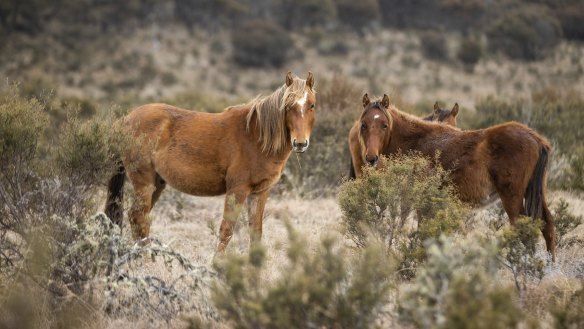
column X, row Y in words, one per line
column 254, row 134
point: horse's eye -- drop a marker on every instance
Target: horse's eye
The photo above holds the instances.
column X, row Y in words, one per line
column 384, row 126
column 363, row 126
column 312, row 106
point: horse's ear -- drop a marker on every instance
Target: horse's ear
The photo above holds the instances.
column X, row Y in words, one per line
column 454, row 111
column 436, row 107
column 366, row 100
column 289, row 79
column 310, row 80
column 385, row 101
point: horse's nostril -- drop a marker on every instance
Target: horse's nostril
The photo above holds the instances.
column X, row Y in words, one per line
column 294, row 142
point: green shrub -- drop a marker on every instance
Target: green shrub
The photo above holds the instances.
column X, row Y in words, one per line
column 518, row 251
column 261, row 43
column 378, row 206
column 454, row 289
column 566, row 223
column 527, row 33
column 569, row 315
column 329, row 288
column 469, row 53
column 575, row 177
column 434, row 45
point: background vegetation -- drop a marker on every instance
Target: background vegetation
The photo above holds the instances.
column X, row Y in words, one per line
column 396, row 249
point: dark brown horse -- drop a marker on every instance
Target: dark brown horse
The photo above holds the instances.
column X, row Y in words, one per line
column 240, row 152
column 443, row 115
column 509, row 159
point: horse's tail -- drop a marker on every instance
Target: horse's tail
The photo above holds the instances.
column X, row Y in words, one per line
column 352, row 174
column 535, row 204
column 115, row 195
column 534, row 195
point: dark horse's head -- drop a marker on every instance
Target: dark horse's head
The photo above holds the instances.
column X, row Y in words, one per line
column 443, row 115
column 300, row 110
column 375, row 128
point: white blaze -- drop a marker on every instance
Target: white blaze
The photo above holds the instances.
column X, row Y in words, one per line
column 376, row 117
column 301, row 102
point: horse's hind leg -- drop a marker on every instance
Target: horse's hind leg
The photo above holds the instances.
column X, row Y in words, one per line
column 513, row 205
column 147, row 190
column 549, row 231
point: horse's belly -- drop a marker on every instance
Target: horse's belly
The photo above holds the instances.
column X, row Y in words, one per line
column 197, row 180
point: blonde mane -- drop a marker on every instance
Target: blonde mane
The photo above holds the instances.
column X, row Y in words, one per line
column 270, row 115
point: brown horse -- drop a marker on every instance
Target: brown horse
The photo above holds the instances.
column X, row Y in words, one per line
column 509, row 159
column 443, row 115
column 240, row 152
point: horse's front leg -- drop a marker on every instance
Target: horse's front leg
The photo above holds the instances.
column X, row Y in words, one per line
column 233, row 205
column 256, row 203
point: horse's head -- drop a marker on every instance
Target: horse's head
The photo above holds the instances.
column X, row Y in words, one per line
column 375, row 128
column 300, row 110
column 445, row 115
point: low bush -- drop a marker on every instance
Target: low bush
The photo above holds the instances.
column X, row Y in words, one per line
column 68, row 263
column 454, row 289
column 566, row 223
column 261, row 43
column 326, row 289
column 518, row 252
column 377, row 207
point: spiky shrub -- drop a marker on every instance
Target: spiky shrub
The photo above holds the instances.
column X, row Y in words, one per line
column 566, row 222
column 378, row 206
column 327, row 288
column 518, row 252
column 454, row 289
column 51, row 247
column 569, row 314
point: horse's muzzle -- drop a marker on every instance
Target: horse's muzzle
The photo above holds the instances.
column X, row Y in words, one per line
column 300, row 147
column 372, row 161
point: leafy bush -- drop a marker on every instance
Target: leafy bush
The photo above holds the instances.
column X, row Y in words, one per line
column 50, row 245
column 518, row 249
column 261, row 43
column 328, row 288
column 434, row 45
column 569, row 315
column 454, row 289
column 378, row 206
column 469, row 53
column 566, row 223
column 527, row 33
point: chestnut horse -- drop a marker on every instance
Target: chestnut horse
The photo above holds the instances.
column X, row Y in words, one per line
column 240, row 152
column 509, row 159
column 443, row 115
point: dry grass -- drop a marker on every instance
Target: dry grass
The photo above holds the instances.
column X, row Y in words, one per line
column 190, row 224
